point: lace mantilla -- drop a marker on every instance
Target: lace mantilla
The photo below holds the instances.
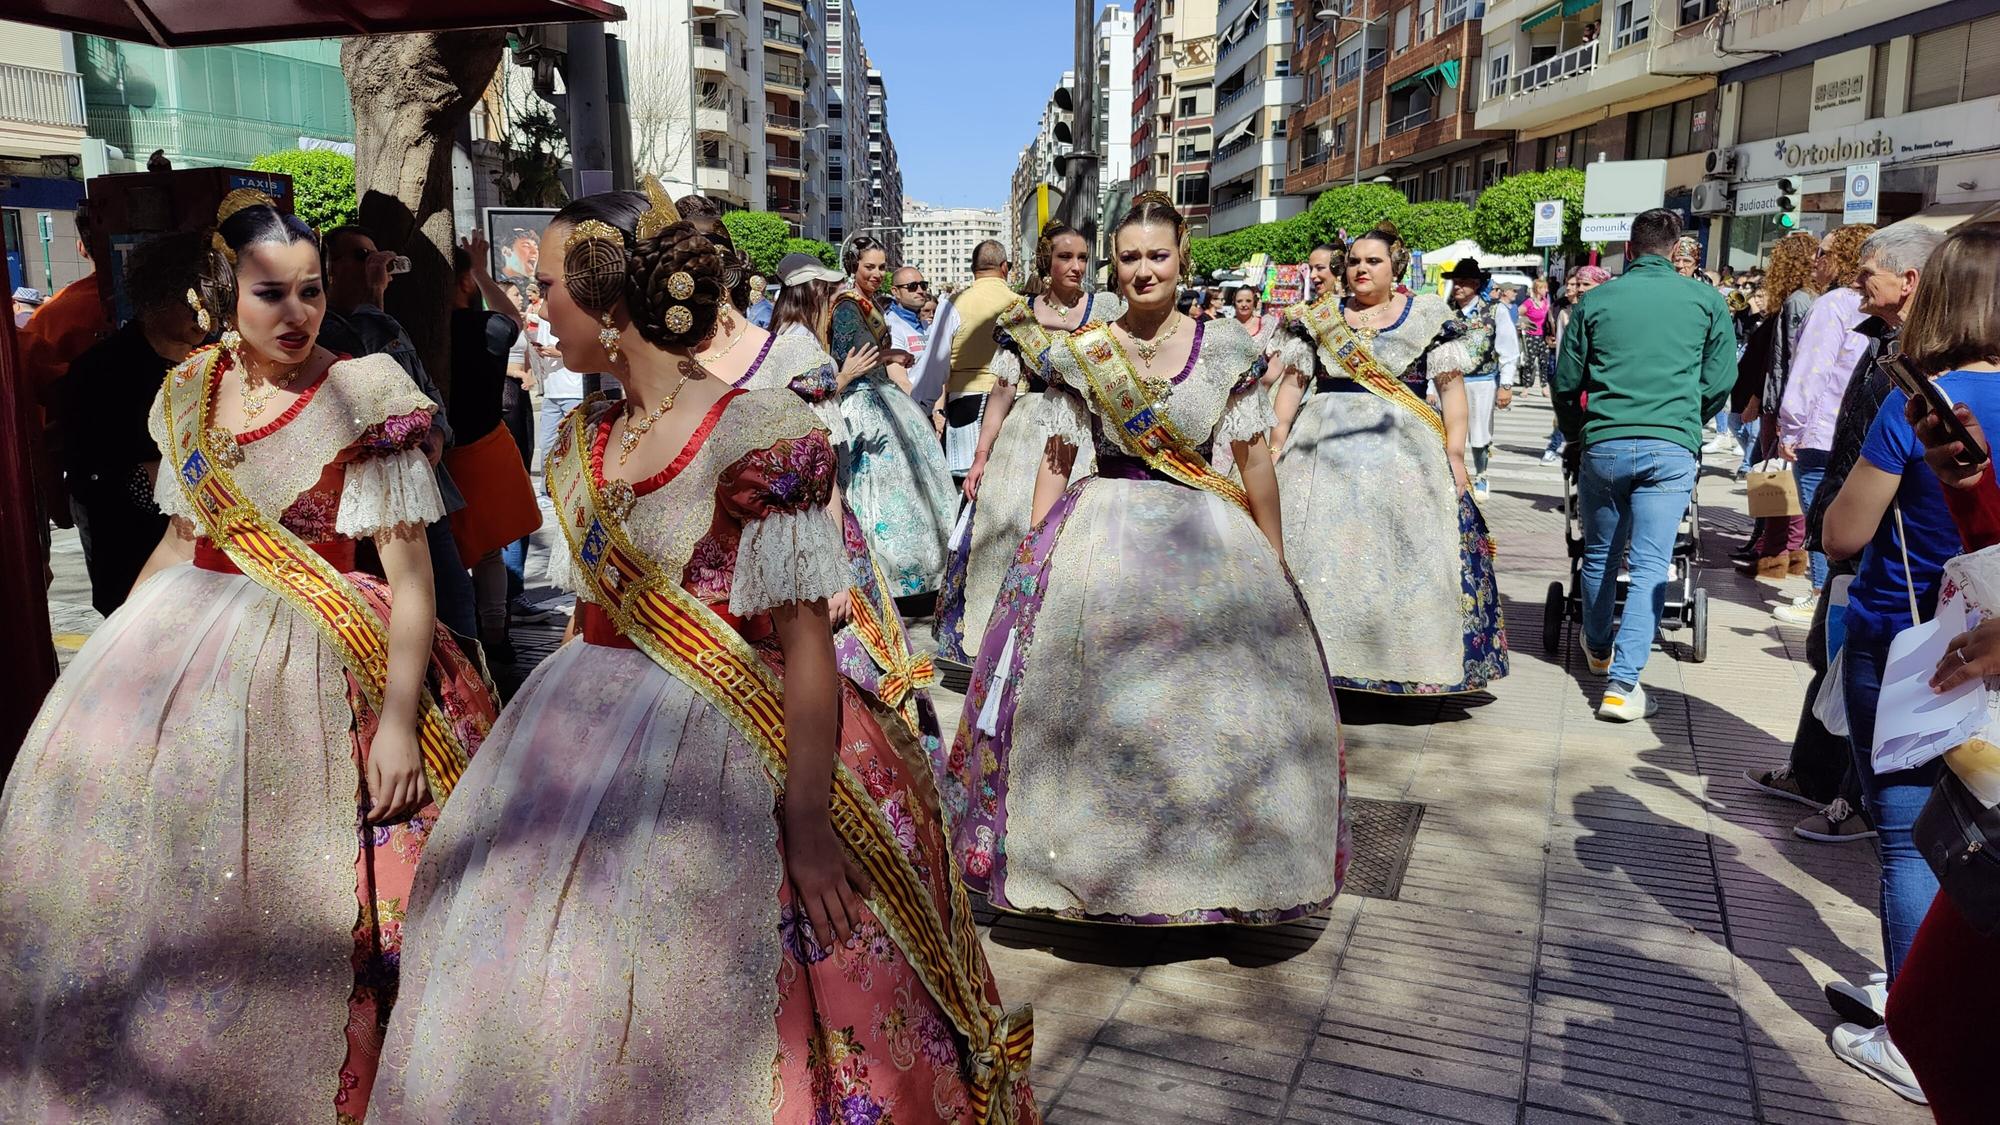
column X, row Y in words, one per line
column 357, row 395
column 1196, row 404
column 788, row 557
column 667, row 522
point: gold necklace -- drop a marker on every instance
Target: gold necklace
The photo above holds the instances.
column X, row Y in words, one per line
column 1057, row 307
column 1367, row 329
column 253, row 405
column 732, row 346
column 1148, row 349
column 635, row 431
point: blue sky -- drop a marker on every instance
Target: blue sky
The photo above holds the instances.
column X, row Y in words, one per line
column 967, row 80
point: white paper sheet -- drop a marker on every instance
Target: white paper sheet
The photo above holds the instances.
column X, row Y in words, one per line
column 1914, row 724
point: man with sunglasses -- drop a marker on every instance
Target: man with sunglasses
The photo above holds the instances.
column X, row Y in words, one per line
column 905, row 319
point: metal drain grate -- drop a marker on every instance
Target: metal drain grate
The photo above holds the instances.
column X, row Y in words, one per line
column 1383, row 832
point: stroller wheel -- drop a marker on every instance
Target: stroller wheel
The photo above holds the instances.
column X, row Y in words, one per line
column 1698, row 618
column 1554, row 610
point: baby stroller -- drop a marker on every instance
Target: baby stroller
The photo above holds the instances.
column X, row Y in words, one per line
column 1686, row 603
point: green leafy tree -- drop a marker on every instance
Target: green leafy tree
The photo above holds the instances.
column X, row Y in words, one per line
column 531, row 160
column 1427, row 226
column 1354, row 209
column 761, row 235
column 1504, row 220
column 322, row 185
column 824, row 251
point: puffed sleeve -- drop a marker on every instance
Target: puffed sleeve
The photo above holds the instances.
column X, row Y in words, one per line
column 1059, row 411
column 168, row 496
column 1291, row 351
column 1006, row 364
column 1248, row 414
column 389, row 481
column 791, row 550
column 1460, row 353
column 818, row 388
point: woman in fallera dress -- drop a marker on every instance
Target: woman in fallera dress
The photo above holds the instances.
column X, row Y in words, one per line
column 1150, row 737
column 1000, row 488
column 1380, row 530
column 207, row 843
column 693, row 876
column 894, row 477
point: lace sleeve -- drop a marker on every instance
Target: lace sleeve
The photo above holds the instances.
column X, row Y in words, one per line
column 1292, row 352
column 1059, row 412
column 1247, row 417
column 384, row 492
column 790, row 549
column 1006, row 365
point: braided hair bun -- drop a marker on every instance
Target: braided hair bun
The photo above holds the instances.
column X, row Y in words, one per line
column 674, row 287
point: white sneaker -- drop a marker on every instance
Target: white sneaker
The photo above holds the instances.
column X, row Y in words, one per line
column 1869, row 1051
column 1863, row 1005
column 1718, row 444
column 1550, row 457
column 1800, row 612
column 1624, row 707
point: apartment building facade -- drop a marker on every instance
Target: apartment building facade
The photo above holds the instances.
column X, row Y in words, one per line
column 940, row 240
column 42, row 142
column 1173, row 92
column 1388, row 93
column 885, row 173
column 1255, row 89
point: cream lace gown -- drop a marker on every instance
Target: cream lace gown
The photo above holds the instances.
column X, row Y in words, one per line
column 1150, row 737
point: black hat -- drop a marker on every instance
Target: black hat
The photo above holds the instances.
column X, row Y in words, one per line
column 1466, row 269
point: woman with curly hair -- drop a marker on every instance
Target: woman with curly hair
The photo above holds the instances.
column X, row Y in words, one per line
column 1790, row 285
column 1822, row 362
column 699, row 878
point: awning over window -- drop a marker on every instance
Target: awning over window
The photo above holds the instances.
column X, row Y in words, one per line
column 1410, row 80
column 1545, row 15
column 1241, row 130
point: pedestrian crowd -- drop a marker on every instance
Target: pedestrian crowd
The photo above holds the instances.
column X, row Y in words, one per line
column 721, row 844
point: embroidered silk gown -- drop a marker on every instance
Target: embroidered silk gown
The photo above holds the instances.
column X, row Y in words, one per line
column 604, row 931
column 894, row 478
column 1150, row 737
column 995, row 522
column 1395, row 562
column 193, row 921
column 794, row 361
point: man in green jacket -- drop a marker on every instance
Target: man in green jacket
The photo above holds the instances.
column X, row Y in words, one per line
column 1645, row 358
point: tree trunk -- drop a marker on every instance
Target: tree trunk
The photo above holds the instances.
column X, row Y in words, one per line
column 410, row 93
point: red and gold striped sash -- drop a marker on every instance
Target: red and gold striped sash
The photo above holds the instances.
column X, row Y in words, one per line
column 1125, row 402
column 687, row 639
column 270, row 555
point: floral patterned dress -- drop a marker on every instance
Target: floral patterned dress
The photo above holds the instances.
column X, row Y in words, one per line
column 894, row 478
column 1394, row 560
column 195, row 922
column 1150, row 737
column 605, row 931
column 995, row 521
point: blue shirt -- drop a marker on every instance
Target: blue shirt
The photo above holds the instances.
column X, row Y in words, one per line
column 1879, row 602
column 759, row 314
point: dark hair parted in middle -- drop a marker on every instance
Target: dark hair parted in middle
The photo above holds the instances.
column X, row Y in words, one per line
column 679, row 268
column 851, row 260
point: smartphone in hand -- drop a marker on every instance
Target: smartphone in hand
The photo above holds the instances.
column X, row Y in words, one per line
column 1921, row 387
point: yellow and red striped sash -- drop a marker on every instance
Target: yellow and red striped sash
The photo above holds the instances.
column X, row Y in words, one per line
column 693, row 644
column 1342, row 347
column 904, row 673
column 1124, row 401
column 1018, row 321
column 270, row 555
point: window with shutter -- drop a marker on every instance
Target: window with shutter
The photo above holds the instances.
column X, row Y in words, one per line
column 1759, row 109
column 1982, row 76
column 1402, row 30
column 1795, row 101
column 1937, row 67
column 1878, row 82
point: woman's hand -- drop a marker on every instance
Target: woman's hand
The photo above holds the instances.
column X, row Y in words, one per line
column 396, row 784
column 826, row 882
column 863, row 359
column 1458, row 473
column 1788, row 451
column 1973, row 653
column 1941, row 449
column 839, row 608
column 974, row 474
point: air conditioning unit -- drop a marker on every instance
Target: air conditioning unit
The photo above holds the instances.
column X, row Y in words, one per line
column 1711, row 197
column 1721, row 162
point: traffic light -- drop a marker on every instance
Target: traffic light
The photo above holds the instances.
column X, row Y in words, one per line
column 1062, row 110
column 1788, row 203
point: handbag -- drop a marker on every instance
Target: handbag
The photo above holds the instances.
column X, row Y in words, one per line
column 1773, row 493
column 1960, row 838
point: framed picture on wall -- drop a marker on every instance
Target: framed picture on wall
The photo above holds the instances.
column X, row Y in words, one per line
column 514, row 236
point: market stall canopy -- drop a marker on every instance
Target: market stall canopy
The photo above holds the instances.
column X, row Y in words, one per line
column 198, row 23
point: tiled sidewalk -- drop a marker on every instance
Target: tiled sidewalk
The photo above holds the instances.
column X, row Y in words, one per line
column 1599, row 923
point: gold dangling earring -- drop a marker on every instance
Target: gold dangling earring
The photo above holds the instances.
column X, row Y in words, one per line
column 608, row 336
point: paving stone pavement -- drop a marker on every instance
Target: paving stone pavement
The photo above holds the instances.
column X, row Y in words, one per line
column 1598, row 923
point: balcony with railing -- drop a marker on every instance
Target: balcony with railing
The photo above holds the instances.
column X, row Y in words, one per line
column 1409, row 121
column 33, row 96
column 784, row 37
column 791, row 166
column 1577, row 60
column 785, row 75
column 205, row 136
column 788, row 122
column 1227, row 96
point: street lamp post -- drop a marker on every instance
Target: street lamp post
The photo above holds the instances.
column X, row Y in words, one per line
column 1332, row 14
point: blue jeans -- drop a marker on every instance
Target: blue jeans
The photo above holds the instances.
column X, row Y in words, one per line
column 1633, row 493
column 1746, row 436
column 1810, row 468
column 1892, row 801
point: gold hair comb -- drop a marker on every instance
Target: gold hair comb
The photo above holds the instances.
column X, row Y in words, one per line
column 662, row 214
